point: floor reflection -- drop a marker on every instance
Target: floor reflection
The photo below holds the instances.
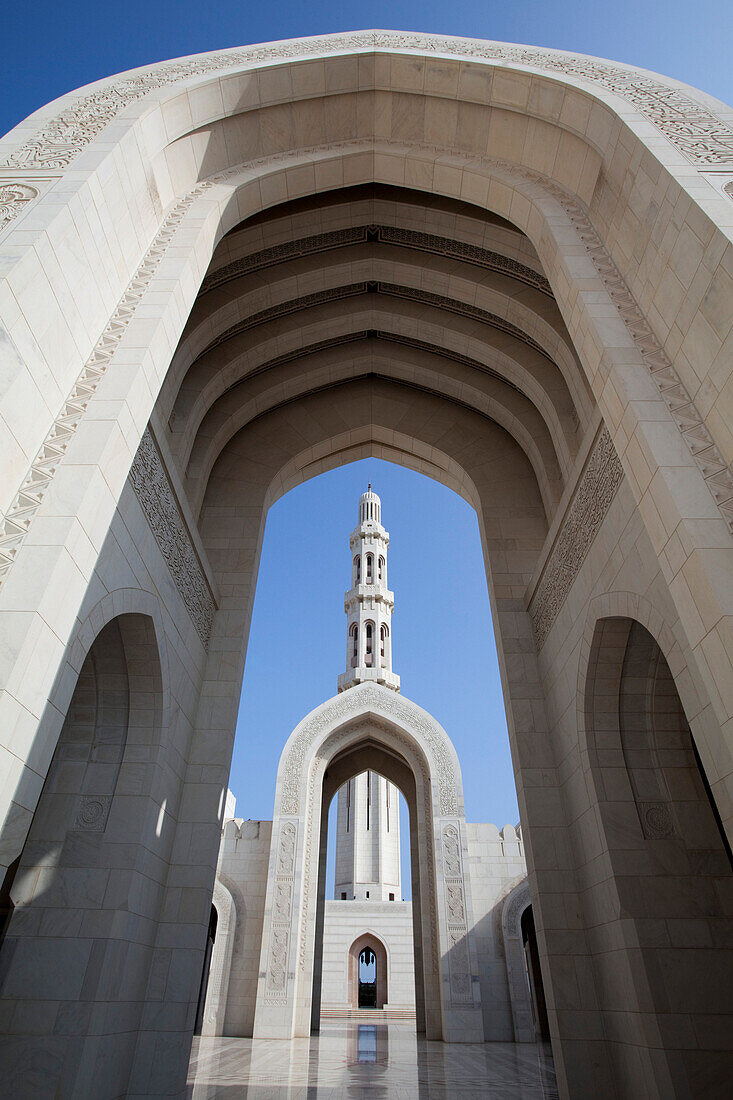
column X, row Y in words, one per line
column 349, row 1059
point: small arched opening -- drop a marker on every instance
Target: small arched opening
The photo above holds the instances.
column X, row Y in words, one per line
column 367, row 972
column 534, row 975
column 206, row 970
column 668, row 861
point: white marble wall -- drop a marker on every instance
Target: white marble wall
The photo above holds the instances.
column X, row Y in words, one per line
column 495, row 864
column 391, row 922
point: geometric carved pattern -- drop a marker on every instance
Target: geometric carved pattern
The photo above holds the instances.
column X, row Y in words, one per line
column 153, row 488
column 376, row 234
column 277, row 965
column 92, row 813
column 656, row 820
column 348, row 705
column 594, row 493
column 692, row 127
column 14, row 525
column 458, row 962
column 672, row 389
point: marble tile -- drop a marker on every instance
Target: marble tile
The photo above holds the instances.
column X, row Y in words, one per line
column 352, row 1059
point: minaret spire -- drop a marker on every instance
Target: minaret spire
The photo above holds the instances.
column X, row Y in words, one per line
column 369, row 603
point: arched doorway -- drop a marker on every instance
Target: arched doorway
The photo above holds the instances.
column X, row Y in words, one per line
column 368, row 973
column 660, row 907
column 369, row 728
column 90, row 860
column 206, row 970
column 534, row 975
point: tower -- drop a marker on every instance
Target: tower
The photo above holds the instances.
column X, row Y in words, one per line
column 369, row 603
column 368, row 823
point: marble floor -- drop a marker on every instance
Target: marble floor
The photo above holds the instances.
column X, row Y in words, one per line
column 351, row 1059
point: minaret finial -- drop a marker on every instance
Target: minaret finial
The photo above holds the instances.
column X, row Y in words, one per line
column 369, row 603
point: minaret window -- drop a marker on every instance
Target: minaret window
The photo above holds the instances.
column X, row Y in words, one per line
column 383, row 643
column 369, row 645
column 354, row 634
column 357, row 569
column 369, row 569
column 381, row 569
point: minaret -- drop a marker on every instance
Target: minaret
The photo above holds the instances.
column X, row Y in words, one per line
column 368, row 820
column 369, row 603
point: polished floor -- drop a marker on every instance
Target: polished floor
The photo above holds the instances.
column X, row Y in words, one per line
column 351, row 1059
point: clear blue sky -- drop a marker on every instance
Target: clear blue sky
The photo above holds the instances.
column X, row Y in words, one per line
column 51, row 48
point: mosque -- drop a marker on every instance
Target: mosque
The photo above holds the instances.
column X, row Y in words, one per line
column 510, row 269
column 365, row 964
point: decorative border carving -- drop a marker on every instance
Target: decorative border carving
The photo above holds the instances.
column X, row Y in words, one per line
column 593, row 495
column 455, row 914
column 155, row 493
column 16, row 521
column 352, row 704
column 472, row 254
column 518, row 900
column 276, row 987
column 689, row 125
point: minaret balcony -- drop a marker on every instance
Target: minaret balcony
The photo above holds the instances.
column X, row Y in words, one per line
column 361, row 592
column 363, row 675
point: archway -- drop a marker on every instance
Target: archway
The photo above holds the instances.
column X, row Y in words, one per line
column 535, row 373
column 369, row 728
column 663, row 844
column 368, row 973
column 86, row 864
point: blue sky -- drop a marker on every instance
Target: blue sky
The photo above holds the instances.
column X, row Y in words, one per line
column 51, row 48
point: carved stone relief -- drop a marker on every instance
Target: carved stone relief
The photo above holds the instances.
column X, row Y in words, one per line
column 689, row 125
column 277, row 964
column 458, row 960
column 351, row 704
column 595, row 491
column 14, row 197
column 92, row 813
column 153, row 488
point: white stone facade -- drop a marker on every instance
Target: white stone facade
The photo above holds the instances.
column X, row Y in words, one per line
column 507, row 267
column 498, row 873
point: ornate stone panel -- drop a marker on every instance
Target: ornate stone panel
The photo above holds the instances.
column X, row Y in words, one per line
column 14, row 197
column 153, row 488
column 689, row 125
column 595, row 491
column 455, row 905
column 276, row 985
